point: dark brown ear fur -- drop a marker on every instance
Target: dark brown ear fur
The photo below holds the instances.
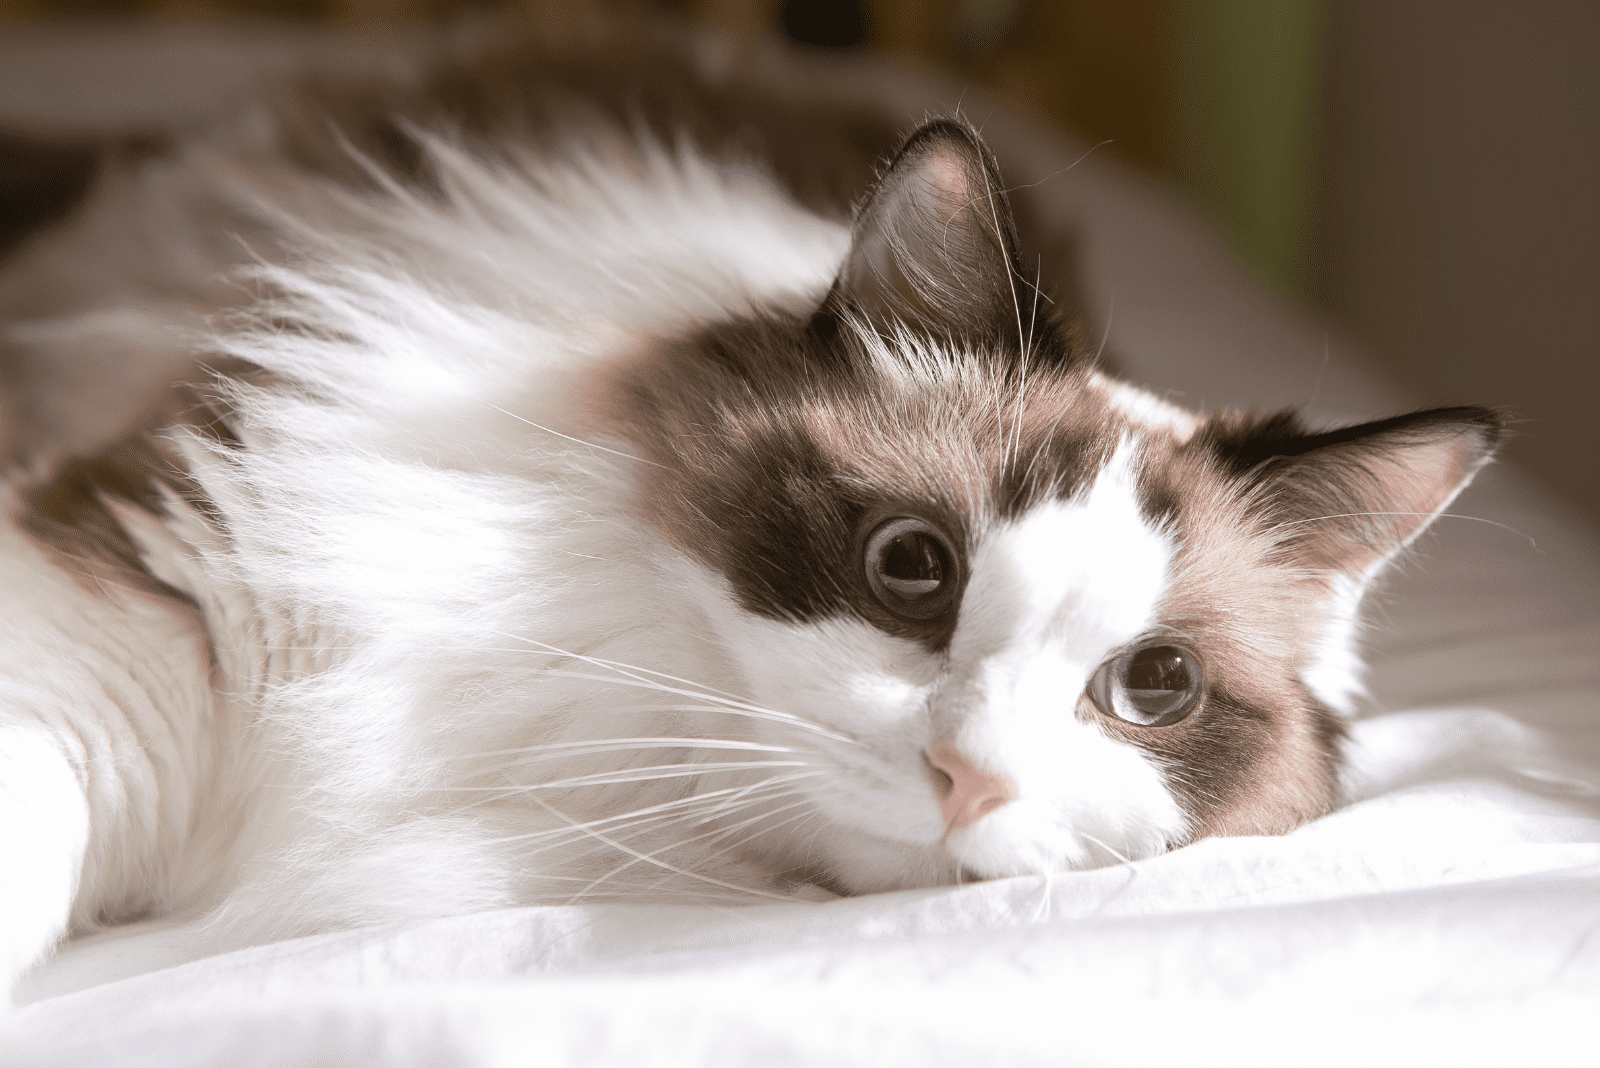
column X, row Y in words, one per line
column 934, row 244
column 1348, row 499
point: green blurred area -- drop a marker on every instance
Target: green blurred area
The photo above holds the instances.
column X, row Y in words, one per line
column 1247, row 76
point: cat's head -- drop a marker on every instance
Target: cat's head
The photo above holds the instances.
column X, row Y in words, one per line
column 1025, row 617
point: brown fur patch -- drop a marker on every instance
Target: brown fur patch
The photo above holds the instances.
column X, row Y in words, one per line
column 68, row 516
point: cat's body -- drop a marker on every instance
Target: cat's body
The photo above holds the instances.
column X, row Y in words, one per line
column 593, row 510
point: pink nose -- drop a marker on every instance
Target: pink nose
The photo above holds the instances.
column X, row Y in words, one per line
column 971, row 792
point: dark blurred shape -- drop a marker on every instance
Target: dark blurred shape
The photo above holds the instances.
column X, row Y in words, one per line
column 1246, row 82
column 95, row 7
column 828, row 23
column 39, row 182
column 980, row 27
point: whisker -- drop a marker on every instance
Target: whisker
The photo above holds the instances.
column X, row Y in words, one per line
column 558, row 750
column 619, row 665
column 1043, row 445
column 660, row 863
column 731, row 846
column 630, row 672
column 1063, row 170
column 639, row 814
column 612, row 778
column 1437, row 515
column 575, row 441
column 662, row 807
column 681, row 844
column 727, row 708
column 636, row 828
column 1269, row 531
column 1103, row 845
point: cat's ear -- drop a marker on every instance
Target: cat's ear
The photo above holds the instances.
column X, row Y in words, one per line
column 1346, row 501
column 934, row 245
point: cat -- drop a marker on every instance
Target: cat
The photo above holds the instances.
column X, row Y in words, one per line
column 616, row 480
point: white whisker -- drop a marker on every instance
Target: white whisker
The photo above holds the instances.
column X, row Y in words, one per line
column 656, row 825
column 649, row 857
column 659, row 863
column 558, row 750
column 1102, row 845
column 611, row 778
column 1439, row 515
column 575, row 441
column 620, row 666
column 728, row 708
column 670, row 808
column 630, row 676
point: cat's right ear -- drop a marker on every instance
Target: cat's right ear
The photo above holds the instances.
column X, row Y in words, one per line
column 933, row 248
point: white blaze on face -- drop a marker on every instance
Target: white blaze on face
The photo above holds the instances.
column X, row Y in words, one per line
column 1080, row 574
column 1050, row 596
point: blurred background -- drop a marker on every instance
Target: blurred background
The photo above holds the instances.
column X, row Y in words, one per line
column 1424, row 172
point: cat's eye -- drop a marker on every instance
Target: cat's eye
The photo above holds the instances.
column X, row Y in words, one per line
column 911, row 568
column 1151, row 685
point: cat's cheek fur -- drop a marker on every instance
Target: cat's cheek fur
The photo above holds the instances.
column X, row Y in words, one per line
column 1333, row 671
column 867, row 692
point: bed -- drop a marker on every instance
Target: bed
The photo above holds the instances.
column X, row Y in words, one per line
column 1449, row 913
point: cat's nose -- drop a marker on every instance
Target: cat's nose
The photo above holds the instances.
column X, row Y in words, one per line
column 967, row 793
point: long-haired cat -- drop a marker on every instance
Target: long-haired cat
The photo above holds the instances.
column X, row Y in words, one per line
column 609, row 487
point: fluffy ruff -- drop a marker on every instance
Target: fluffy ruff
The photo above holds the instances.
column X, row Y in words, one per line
column 415, row 522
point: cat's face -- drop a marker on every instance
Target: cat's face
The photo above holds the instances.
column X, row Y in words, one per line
column 1042, row 613
column 1024, row 618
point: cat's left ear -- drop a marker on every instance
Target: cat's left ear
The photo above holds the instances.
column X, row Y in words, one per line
column 1347, row 501
column 934, row 245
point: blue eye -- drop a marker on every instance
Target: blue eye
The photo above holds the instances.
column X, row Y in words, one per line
column 1149, row 686
column 911, row 568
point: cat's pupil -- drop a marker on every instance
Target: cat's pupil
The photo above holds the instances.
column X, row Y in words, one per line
column 912, row 565
column 1157, row 680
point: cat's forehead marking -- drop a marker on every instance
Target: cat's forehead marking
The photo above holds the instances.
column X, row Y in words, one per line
column 1085, row 573
column 1145, row 409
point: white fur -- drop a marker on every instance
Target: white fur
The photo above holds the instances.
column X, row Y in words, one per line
column 1146, row 408
column 106, row 718
column 1334, row 670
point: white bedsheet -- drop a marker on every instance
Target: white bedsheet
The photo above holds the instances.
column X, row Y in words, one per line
column 1450, row 914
